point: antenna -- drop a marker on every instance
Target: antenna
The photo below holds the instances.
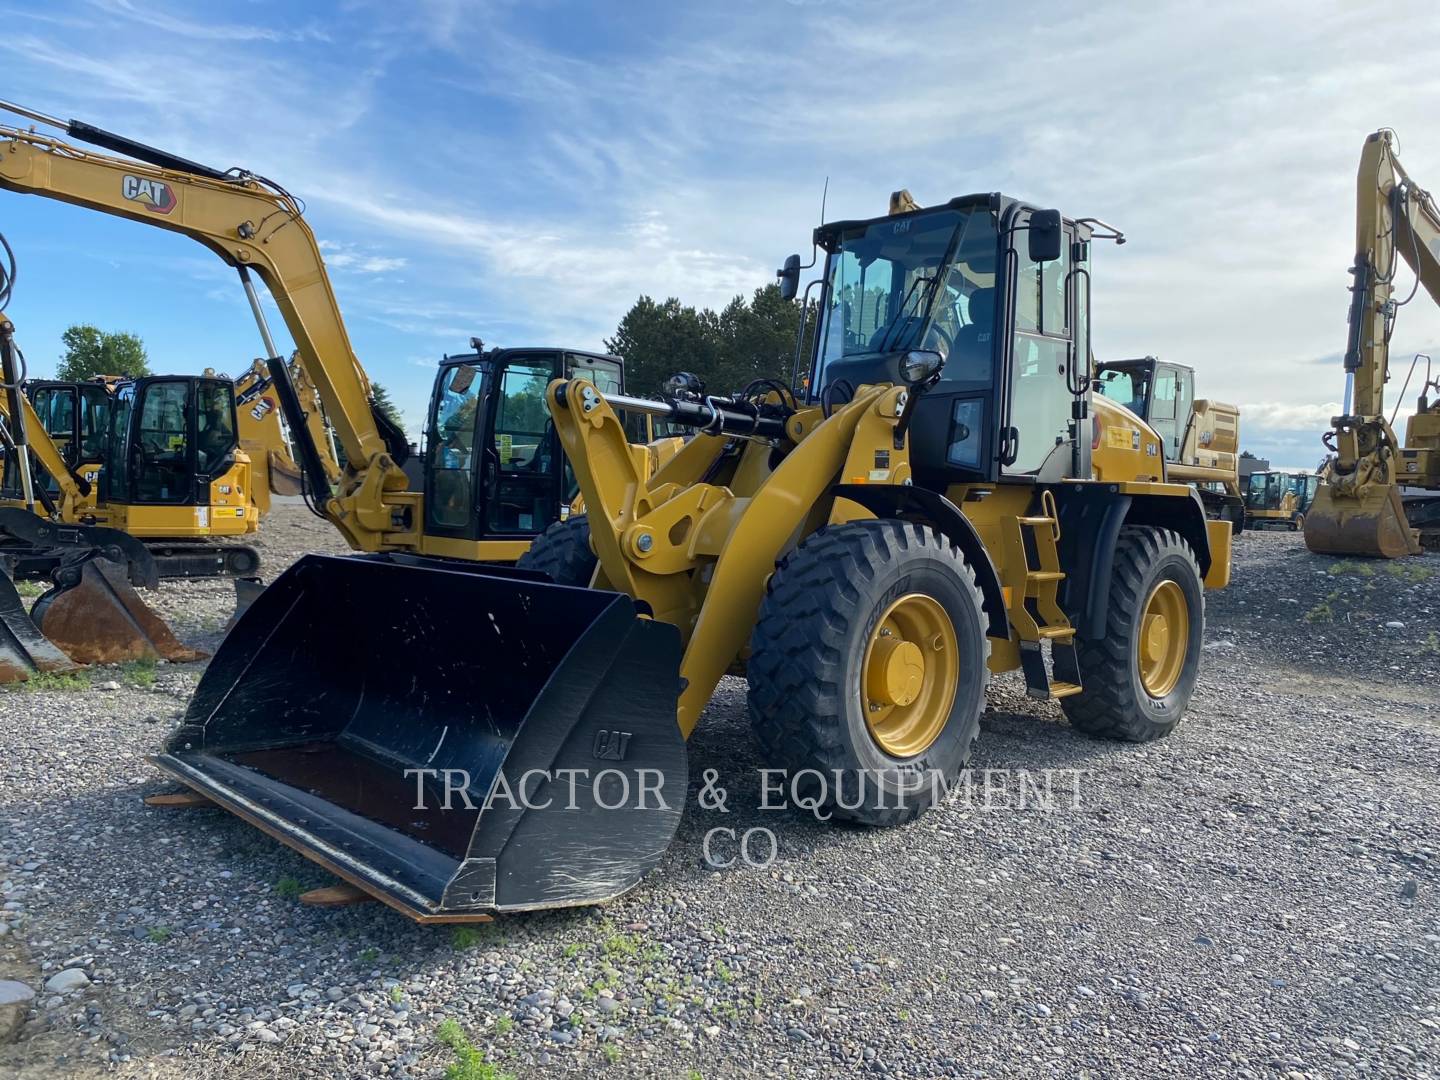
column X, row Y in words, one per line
column 824, row 194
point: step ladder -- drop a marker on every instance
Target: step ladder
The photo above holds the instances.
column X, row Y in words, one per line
column 1034, row 595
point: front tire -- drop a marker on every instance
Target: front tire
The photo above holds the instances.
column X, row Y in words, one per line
column 868, row 669
column 563, row 552
column 1140, row 674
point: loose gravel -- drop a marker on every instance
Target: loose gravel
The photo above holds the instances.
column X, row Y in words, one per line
column 1255, row 896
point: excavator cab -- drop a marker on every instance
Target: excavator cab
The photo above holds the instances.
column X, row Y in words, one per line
column 493, row 466
column 171, row 439
column 1160, row 393
column 1279, row 498
column 76, row 416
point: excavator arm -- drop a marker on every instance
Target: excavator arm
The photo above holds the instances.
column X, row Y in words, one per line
column 1358, row 509
column 259, row 229
column 26, row 428
column 263, row 434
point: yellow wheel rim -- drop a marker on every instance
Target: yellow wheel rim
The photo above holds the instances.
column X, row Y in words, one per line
column 1164, row 638
column 909, row 676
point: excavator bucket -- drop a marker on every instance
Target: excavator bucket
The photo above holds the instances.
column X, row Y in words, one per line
column 95, row 616
column 455, row 739
column 23, row 649
column 1372, row 524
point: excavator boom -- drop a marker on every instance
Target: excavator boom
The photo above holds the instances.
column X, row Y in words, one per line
column 1359, row 508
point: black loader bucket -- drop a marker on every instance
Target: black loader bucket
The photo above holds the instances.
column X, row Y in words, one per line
column 23, row 649
column 457, row 740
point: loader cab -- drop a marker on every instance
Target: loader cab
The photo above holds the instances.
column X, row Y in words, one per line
column 76, row 417
column 1161, row 394
column 170, row 437
column 493, row 466
column 995, row 293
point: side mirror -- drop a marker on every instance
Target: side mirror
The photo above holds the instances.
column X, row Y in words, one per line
column 789, row 276
column 1046, row 236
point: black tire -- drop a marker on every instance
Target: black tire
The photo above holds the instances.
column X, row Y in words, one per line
column 1115, row 703
column 822, row 606
column 563, row 552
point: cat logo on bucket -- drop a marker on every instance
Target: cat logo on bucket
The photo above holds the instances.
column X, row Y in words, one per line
column 155, row 195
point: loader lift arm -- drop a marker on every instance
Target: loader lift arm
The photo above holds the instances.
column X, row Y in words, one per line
column 1359, row 509
column 259, row 229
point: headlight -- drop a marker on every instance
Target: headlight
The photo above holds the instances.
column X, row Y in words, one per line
column 920, row 364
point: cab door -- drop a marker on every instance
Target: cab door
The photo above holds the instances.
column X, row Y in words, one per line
column 1040, row 422
column 524, row 466
column 453, row 458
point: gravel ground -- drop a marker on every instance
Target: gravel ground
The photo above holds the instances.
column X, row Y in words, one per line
column 1255, row 896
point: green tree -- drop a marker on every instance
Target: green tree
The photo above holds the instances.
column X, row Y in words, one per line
column 91, row 351
column 382, row 400
column 744, row 341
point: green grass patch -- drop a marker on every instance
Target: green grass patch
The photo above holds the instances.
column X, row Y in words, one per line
column 138, row 673
column 159, row 935
column 621, row 945
column 572, row 950
column 469, row 1064
column 57, row 681
column 1410, row 571
column 503, row 1025
column 1350, row 567
column 289, row 888
column 610, row 1052
column 723, row 970
column 397, row 995
column 31, row 588
column 369, row 956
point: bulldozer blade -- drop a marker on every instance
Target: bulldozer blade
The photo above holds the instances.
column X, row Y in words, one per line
column 97, row 618
column 23, row 648
column 457, row 740
column 1372, row 524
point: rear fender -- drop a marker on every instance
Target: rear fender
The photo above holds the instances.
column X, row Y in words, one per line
column 1091, row 516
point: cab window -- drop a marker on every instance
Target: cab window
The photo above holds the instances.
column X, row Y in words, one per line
column 163, row 450
column 453, row 445
column 214, row 428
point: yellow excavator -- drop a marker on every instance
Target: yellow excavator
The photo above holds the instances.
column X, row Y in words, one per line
column 947, row 497
column 493, row 476
column 1201, row 436
column 1362, row 507
column 158, row 457
column 1279, row 498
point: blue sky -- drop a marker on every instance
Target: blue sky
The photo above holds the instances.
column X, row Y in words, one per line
column 523, row 171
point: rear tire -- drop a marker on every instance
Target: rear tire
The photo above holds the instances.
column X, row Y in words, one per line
column 1153, row 568
column 860, row 611
column 563, row 552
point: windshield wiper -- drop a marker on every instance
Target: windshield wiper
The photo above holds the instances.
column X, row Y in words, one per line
column 904, row 307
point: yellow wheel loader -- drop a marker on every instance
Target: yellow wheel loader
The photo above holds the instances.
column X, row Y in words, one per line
column 1361, row 507
column 1201, row 438
column 947, row 498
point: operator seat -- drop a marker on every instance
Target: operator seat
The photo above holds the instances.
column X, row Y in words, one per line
column 971, row 353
